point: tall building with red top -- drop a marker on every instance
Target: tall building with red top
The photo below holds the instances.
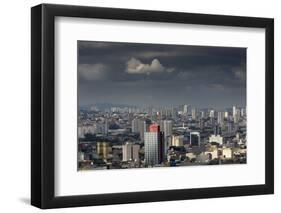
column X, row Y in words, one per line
column 154, row 128
column 154, row 145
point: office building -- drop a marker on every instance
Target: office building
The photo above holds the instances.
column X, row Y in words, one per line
column 154, row 145
column 194, row 139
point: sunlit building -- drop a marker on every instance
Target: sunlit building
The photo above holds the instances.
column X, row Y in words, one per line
column 177, row 140
column 103, row 149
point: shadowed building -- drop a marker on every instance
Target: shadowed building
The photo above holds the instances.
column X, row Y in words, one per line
column 154, row 145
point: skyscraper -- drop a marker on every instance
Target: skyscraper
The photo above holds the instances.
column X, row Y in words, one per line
column 154, row 145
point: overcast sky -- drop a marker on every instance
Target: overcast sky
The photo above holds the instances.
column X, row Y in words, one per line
column 161, row 75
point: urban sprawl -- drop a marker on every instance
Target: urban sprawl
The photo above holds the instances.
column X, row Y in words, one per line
column 121, row 137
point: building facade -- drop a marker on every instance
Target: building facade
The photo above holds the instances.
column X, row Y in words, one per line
column 154, row 145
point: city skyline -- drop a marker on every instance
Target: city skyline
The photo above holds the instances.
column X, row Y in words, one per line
column 158, row 105
column 110, row 105
column 161, row 75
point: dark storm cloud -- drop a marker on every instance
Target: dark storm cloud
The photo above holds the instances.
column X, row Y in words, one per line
column 156, row 74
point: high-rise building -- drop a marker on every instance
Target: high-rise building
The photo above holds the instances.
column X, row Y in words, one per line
column 220, row 117
column 226, row 114
column 102, row 149
column 177, row 140
column 217, row 129
column 185, row 109
column 139, row 126
column 174, row 112
column 166, row 126
column 194, row 139
column 233, row 111
column 243, row 112
column 230, row 127
column 235, row 114
column 202, row 114
column 101, row 128
column 130, row 151
column 194, row 114
column 154, row 145
column 135, row 125
column 238, row 116
column 135, row 152
column 212, row 113
column 201, row 124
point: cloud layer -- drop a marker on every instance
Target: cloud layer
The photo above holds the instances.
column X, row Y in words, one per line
column 135, row 66
column 156, row 74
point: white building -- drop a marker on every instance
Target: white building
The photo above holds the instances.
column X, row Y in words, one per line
column 216, row 138
column 185, row 109
column 213, row 154
column 212, row 113
column 226, row 114
column 177, row 140
column 190, row 155
column 236, row 114
column 220, row 117
column 227, row 153
column 83, row 130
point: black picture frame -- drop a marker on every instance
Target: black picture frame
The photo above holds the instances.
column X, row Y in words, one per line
column 43, row 110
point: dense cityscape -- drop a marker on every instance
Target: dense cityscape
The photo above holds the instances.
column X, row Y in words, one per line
column 114, row 136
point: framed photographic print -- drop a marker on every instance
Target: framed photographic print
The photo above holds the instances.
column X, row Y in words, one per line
column 139, row 106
